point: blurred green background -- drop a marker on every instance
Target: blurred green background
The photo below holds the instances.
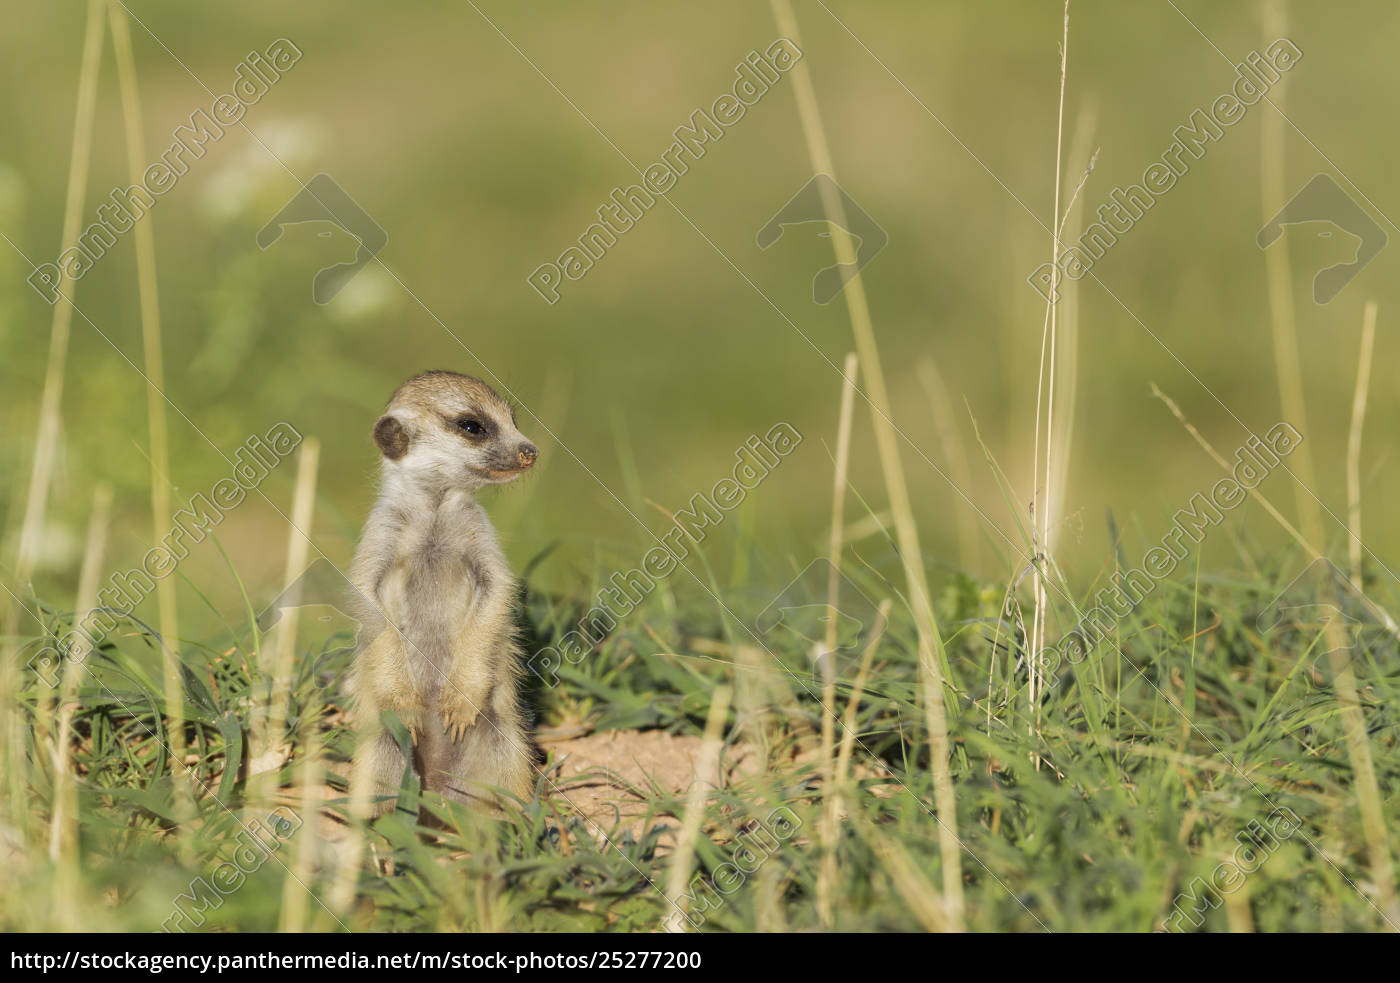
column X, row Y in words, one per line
column 663, row 359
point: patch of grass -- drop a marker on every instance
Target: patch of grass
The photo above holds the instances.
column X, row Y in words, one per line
column 1136, row 784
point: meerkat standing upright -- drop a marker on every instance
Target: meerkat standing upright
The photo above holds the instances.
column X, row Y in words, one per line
column 446, row 661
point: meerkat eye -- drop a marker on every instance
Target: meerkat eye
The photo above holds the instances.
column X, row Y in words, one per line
column 471, row 426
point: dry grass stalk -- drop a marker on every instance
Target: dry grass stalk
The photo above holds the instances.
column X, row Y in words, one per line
column 826, row 657
column 848, row 739
column 833, row 804
column 296, row 888
column 351, row 851
column 1066, row 380
column 908, row 880
column 80, row 157
column 1313, row 553
column 167, row 616
column 1279, row 269
column 270, row 721
column 1358, row 422
column 706, row 766
column 931, row 656
column 1041, row 519
column 46, row 441
column 63, row 822
column 1290, row 382
column 1368, row 795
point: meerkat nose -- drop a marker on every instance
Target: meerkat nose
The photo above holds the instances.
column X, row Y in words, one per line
column 528, row 453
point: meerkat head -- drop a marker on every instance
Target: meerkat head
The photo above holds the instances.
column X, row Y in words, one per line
column 450, row 429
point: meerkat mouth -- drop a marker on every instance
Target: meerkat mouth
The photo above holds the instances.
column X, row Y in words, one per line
column 501, row 477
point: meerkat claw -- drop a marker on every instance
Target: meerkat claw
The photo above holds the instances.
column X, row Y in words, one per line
column 455, row 726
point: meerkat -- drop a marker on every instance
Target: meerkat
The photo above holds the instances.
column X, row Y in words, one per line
column 436, row 596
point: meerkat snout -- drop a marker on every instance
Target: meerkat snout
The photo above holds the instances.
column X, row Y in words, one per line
column 442, row 427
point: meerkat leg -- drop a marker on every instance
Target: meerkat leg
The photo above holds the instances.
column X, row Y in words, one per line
column 383, row 772
column 506, row 753
column 381, row 680
column 476, row 660
column 496, row 752
column 382, row 669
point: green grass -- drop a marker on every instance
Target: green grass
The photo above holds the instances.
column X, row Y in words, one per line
column 1134, row 775
column 1141, row 784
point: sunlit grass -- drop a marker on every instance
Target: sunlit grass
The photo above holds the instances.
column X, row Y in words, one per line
column 971, row 788
column 1134, row 798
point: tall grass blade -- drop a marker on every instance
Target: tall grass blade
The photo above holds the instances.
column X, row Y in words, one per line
column 167, row 616
column 931, row 655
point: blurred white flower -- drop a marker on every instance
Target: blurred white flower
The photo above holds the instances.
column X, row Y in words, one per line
column 368, row 293
column 261, row 167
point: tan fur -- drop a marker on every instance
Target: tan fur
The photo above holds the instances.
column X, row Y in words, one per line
column 436, row 595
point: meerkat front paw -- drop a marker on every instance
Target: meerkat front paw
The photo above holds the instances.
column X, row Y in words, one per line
column 408, row 708
column 460, row 710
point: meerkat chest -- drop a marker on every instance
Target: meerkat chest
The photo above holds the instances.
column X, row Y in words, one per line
column 451, row 550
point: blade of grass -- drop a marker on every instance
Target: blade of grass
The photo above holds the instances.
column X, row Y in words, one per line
column 1272, row 154
column 1378, row 612
column 909, row 881
column 706, row 766
column 827, row 873
column 1368, row 795
column 1358, row 422
column 1041, row 519
column 848, row 739
column 167, row 616
column 51, row 402
column 46, row 442
column 931, row 656
column 297, row 886
column 271, row 720
column 63, row 824
column 1066, row 381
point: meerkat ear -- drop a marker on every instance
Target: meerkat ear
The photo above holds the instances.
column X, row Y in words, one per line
column 391, row 437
